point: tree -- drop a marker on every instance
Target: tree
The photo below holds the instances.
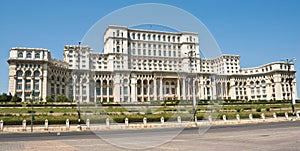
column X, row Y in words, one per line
column 3, row 97
column 49, row 99
column 61, row 98
column 15, row 98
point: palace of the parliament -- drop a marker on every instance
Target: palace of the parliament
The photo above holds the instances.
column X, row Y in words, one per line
column 141, row 66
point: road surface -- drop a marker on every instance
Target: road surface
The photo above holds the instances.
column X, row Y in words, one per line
column 266, row 136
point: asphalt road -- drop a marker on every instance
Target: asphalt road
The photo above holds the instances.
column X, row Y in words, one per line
column 266, row 136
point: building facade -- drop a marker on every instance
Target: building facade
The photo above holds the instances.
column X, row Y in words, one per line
column 142, row 66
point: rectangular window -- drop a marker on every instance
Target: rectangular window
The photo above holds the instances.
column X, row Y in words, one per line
column 19, row 86
column 36, row 87
column 27, row 87
column 97, row 91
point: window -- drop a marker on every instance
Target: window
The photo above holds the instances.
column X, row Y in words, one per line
column 19, row 86
column 27, row 73
column 252, row 91
column 36, row 84
column 19, row 73
column 37, row 55
column 28, row 55
column 20, row 55
column 36, row 73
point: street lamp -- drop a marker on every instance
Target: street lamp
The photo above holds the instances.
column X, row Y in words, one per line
column 32, row 115
column 191, row 54
column 290, row 80
column 78, row 102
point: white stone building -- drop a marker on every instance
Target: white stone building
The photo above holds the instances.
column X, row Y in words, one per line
column 144, row 65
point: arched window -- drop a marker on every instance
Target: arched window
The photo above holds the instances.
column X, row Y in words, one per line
column 257, row 82
column 28, row 73
column 37, row 55
column 28, row 55
column 19, row 73
column 20, row 55
column 251, row 83
column 125, row 81
column 36, row 73
column 263, row 82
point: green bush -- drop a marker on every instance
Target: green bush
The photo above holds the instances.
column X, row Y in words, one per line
column 49, row 99
column 29, row 111
column 258, row 109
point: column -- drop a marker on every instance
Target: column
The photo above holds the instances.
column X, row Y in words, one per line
column 148, row 90
column 129, row 93
column 80, row 90
column 278, row 89
column 142, row 89
column 226, row 92
column 88, row 90
column 178, row 89
column 213, row 89
column 74, row 89
column 155, row 90
column 95, row 92
column 183, row 88
column 194, row 93
column 202, row 94
column 116, row 88
column 161, row 89
column 295, row 94
column 205, row 92
column 122, row 90
column 222, row 95
column 133, row 89
column 23, row 88
column 189, row 89
column 107, row 90
column 40, row 87
column 101, row 90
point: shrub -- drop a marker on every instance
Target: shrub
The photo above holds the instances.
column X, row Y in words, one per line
column 29, row 111
column 148, row 111
column 258, row 109
column 49, row 99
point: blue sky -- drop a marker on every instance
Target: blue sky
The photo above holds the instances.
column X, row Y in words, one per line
column 260, row 31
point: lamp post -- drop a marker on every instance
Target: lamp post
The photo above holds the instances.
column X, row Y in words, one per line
column 290, row 80
column 78, row 102
column 32, row 116
column 191, row 54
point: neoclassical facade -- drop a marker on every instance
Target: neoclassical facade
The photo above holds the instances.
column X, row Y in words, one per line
column 141, row 66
